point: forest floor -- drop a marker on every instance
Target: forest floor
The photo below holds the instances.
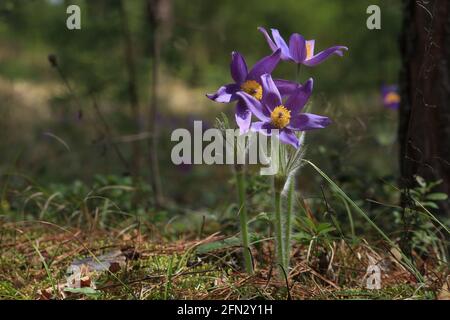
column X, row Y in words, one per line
column 40, row 260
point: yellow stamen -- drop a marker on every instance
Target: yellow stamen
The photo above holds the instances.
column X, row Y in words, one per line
column 392, row 97
column 309, row 50
column 253, row 88
column 280, row 117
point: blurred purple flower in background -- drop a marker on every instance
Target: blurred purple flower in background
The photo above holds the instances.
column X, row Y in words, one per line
column 391, row 97
column 299, row 50
column 286, row 117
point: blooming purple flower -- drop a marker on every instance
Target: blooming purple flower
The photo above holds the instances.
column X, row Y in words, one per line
column 300, row 51
column 391, row 96
column 286, row 117
column 249, row 82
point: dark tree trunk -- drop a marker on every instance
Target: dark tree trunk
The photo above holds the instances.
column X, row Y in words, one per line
column 132, row 92
column 424, row 128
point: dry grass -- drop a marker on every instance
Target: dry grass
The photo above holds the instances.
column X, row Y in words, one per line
column 157, row 269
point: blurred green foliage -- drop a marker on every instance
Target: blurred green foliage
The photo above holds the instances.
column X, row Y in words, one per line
column 202, row 34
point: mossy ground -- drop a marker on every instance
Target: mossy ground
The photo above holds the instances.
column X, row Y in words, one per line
column 34, row 258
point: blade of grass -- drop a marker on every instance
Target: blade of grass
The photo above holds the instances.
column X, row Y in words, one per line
column 47, row 269
column 407, row 263
column 169, row 279
column 350, row 217
column 431, row 215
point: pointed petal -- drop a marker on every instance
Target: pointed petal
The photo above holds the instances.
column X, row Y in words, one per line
column 255, row 106
column 243, row 116
column 263, row 127
column 238, row 67
column 299, row 97
column 271, row 44
column 271, row 96
column 321, row 56
column 286, row 87
column 288, row 136
column 224, row 94
column 308, row 121
column 256, row 126
column 297, row 48
column 265, row 65
column 279, row 41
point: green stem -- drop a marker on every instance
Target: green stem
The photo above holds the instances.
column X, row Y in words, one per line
column 240, row 181
column 350, row 218
column 279, row 226
column 288, row 227
column 297, row 74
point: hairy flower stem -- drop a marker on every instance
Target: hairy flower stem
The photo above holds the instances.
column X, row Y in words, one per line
column 288, row 226
column 278, row 188
column 297, row 72
column 290, row 196
column 240, row 182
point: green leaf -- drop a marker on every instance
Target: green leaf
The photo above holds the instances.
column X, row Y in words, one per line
column 438, row 196
column 421, row 181
column 309, row 223
column 223, row 244
column 434, row 184
column 324, row 228
column 415, row 193
column 430, row 205
column 263, row 216
column 86, row 290
column 301, row 236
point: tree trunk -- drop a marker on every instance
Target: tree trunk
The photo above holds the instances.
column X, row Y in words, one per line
column 424, row 128
column 132, row 93
column 159, row 12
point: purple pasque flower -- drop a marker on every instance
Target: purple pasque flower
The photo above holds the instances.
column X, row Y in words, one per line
column 286, row 117
column 390, row 96
column 299, row 50
column 249, row 82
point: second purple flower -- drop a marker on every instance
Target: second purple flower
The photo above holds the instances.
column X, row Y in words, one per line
column 286, row 117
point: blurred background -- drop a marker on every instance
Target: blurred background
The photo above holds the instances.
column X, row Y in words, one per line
column 77, row 106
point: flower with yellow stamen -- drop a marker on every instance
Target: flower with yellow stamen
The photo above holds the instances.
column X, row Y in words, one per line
column 247, row 81
column 298, row 49
column 283, row 118
column 253, row 88
column 280, row 117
